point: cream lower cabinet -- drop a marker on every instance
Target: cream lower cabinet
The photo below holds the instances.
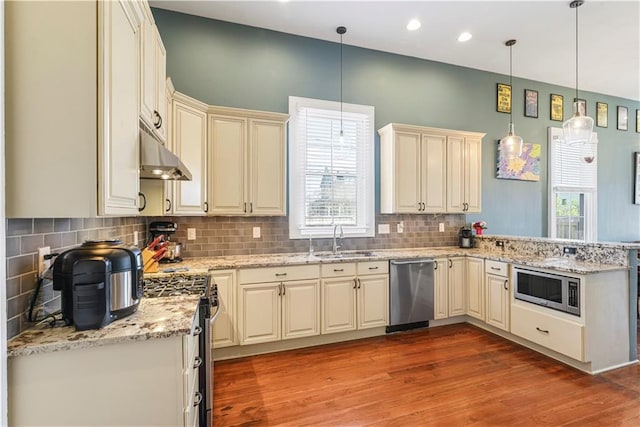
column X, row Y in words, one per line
column 450, row 294
column 83, row 93
column 247, row 159
column 475, row 288
column 224, row 328
column 354, row 296
column 278, row 303
column 498, row 296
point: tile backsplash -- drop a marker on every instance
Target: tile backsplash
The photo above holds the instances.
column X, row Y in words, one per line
column 223, row 236
column 25, row 236
column 215, row 236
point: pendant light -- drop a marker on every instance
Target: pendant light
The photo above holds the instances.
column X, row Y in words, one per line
column 579, row 127
column 511, row 145
column 341, row 30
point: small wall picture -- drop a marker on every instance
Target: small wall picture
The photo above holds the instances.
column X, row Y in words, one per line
column 504, row 98
column 582, row 105
column 531, row 103
column 638, row 121
column 636, row 199
column 622, row 117
column 602, row 114
column 557, row 107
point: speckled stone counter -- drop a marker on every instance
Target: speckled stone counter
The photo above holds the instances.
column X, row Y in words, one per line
column 560, row 263
column 155, row 318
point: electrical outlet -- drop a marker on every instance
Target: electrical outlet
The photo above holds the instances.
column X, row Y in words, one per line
column 441, row 227
column 569, row 250
column 400, row 227
column 500, row 244
column 135, row 238
column 383, row 229
column 42, row 263
column 256, row 232
column 191, row 234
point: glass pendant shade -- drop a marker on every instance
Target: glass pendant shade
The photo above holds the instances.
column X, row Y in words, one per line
column 511, row 145
column 577, row 130
column 589, row 150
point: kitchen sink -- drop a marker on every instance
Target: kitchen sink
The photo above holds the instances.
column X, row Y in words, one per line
column 344, row 255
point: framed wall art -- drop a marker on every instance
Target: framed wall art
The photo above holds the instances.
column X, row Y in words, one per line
column 531, row 103
column 622, row 118
column 602, row 115
column 504, row 98
column 557, row 107
column 638, row 121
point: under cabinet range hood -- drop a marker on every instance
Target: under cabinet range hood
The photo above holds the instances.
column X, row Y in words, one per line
column 157, row 162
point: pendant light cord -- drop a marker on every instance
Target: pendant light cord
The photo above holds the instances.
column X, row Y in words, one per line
column 511, row 80
column 577, row 51
column 341, row 131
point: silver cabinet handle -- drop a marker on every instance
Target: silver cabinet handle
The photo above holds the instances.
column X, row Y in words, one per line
column 198, row 362
column 506, row 288
column 197, row 331
column 544, row 331
column 198, row 399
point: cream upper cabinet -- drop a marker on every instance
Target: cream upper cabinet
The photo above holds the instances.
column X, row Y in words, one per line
column 247, row 159
column 153, row 66
column 475, row 288
column 189, row 128
column 82, row 86
column 464, row 174
column 498, row 297
column 419, row 172
column 224, row 328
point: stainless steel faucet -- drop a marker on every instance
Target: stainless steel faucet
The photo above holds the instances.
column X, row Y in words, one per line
column 335, row 247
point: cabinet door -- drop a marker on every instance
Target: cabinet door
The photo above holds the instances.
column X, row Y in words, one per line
column 455, row 174
column 473, row 174
column 224, row 328
column 338, row 305
column 434, row 173
column 300, row 309
column 147, row 65
column 118, row 139
column 407, row 169
column 457, row 288
column 475, row 288
column 440, row 289
column 373, row 301
column 498, row 301
column 267, row 171
column 259, row 313
column 227, row 145
column 160, row 80
column 189, row 142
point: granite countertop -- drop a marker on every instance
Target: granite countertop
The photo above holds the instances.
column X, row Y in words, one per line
column 155, row 318
column 565, row 264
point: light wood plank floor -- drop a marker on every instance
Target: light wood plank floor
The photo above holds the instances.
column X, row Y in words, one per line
column 447, row 376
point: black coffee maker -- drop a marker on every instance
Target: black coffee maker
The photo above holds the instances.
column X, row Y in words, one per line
column 465, row 237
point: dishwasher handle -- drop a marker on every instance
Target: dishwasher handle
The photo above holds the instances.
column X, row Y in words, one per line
column 412, row 261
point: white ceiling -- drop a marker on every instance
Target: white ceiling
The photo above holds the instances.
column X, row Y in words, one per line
column 609, row 49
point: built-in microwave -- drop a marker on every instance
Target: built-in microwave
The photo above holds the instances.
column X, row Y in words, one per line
column 550, row 290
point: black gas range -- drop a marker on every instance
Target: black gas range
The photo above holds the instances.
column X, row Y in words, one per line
column 180, row 284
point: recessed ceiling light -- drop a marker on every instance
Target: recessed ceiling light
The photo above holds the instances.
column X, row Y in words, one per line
column 465, row 36
column 414, row 24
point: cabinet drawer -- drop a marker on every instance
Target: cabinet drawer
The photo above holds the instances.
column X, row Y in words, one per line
column 557, row 334
column 338, row 269
column 496, row 267
column 278, row 274
column 373, row 267
column 191, row 407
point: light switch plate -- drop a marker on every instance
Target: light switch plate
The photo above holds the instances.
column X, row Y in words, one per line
column 256, row 232
column 42, row 264
column 383, row 229
column 135, row 238
column 441, row 227
column 191, row 234
column 400, row 227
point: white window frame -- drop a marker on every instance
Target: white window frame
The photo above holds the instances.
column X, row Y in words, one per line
column 297, row 151
column 555, row 136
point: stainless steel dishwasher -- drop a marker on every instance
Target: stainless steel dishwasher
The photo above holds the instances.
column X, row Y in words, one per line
column 410, row 294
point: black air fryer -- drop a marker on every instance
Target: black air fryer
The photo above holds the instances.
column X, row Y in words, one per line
column 100, row 282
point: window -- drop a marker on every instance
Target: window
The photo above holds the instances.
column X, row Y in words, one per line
column 573, row 185
column 331, row 179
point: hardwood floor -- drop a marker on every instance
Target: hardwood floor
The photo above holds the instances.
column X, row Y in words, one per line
column 449, row 376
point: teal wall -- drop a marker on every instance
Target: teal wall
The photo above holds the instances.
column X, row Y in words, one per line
column 233, row 65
